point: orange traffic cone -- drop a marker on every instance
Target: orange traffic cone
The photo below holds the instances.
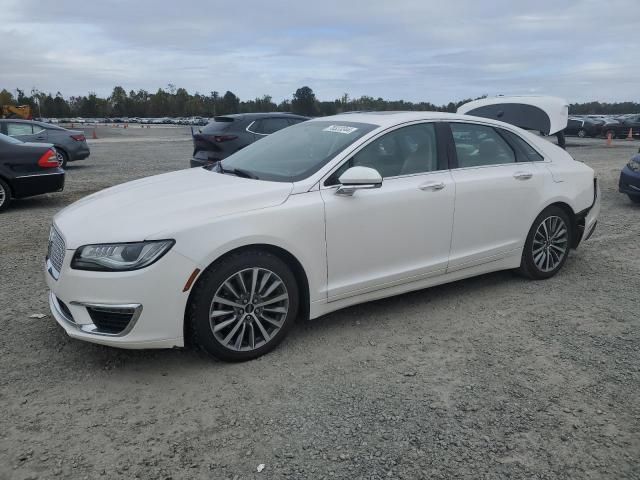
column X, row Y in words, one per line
column 608, row 139
column 630, row 134
column 93, row 134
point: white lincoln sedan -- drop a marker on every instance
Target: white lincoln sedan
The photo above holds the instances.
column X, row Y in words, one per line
column 316, row 217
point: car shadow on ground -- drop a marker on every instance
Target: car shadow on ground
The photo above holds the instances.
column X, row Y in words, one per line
column 171, row 362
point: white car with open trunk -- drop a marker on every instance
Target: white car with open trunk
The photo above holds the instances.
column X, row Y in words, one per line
column 316, row 217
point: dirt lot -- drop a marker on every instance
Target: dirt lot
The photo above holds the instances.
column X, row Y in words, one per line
column 489, row 378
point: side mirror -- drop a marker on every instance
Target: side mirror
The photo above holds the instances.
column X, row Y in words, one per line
column 358, row 178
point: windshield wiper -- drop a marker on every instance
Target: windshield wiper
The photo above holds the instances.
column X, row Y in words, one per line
column 238, row 172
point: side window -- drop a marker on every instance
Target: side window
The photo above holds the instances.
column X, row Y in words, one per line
column 478, row 145
column 405, row 151
column 530, row 153
column 294, row 121
column 38, row 129
column 272, row 125
column 14, row 129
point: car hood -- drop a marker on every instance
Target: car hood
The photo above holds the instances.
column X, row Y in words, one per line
column 163, row 204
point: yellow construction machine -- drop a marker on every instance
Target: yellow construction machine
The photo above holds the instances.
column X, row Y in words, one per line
column 13, row 111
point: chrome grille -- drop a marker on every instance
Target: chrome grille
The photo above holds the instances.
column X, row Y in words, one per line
column 55, row 251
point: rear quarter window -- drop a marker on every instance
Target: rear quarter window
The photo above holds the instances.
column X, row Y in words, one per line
column 526, row 153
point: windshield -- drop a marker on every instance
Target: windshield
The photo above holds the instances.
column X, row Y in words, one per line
column 7, row 139
column 298, row 151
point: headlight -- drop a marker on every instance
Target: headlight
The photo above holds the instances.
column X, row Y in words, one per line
column 118, row 257
column 633, row 165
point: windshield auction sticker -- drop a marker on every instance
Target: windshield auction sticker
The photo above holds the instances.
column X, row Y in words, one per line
column 340, row 129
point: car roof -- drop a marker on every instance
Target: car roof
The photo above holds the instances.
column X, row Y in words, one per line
column 391, row 118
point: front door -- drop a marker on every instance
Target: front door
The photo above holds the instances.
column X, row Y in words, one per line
column 397, row 233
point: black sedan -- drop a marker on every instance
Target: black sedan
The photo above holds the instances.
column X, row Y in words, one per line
column 27, row 169
column 583, row 127
column 227, row 134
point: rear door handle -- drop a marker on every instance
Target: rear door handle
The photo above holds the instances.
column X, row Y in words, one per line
column 431, row 186
column 522, row 175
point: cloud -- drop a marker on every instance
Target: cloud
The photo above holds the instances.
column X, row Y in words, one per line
column 410, row 49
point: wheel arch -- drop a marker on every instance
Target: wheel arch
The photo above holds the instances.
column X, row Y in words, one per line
column 577, row 220
column 8, row 183
column 296, row 267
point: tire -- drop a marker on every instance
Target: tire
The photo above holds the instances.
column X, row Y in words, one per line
column 5, row 195
column 545, row 254
column 582, row 133
column 634, row 198
column 62, row 156
column 243, row 329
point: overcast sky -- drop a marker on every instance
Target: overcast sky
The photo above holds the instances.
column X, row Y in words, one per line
column 434, row 51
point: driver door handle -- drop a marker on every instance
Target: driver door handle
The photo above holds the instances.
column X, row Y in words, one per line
column 431, row 186
column 522, row 175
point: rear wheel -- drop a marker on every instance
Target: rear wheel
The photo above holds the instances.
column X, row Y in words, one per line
column 582, row 133
column 243, row 306
column 547, row 246
column 62, row 157
column 5, row 195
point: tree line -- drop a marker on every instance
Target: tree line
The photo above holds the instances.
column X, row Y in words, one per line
column 178, row 102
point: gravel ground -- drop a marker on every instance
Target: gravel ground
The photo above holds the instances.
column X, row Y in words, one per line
column 488, row 378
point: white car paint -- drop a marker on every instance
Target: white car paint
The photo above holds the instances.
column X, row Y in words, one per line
column 404, row 236
column 556, row 108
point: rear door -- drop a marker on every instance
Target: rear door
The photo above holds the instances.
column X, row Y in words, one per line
column 498, row 194
column 21, row 130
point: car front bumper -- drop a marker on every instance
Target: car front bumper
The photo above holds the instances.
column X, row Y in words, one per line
column 629, row 182
column 153, row 296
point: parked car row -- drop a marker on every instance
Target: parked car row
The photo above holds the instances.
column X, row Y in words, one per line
column 600, row 125
column 196, row 121
column 33, row 156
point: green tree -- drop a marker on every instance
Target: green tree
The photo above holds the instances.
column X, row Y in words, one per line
column 230, row 103
column 118, row 101
column 304, row 102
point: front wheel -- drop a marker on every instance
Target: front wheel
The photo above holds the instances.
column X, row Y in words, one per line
column 547, row 246
column 243, row 306
column 582, row 133
column 634, row 198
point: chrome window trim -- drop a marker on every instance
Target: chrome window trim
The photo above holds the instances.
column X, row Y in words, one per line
column 256, row 133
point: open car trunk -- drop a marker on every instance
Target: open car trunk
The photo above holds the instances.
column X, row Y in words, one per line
column 545, row 114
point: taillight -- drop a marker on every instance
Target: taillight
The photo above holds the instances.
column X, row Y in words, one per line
column 224, row 138
column 49, row 160
column 79, row 138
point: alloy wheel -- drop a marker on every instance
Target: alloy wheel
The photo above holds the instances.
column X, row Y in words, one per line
column 248, row 309
column 3, row 195
column 60, row 158
column 550, row 243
